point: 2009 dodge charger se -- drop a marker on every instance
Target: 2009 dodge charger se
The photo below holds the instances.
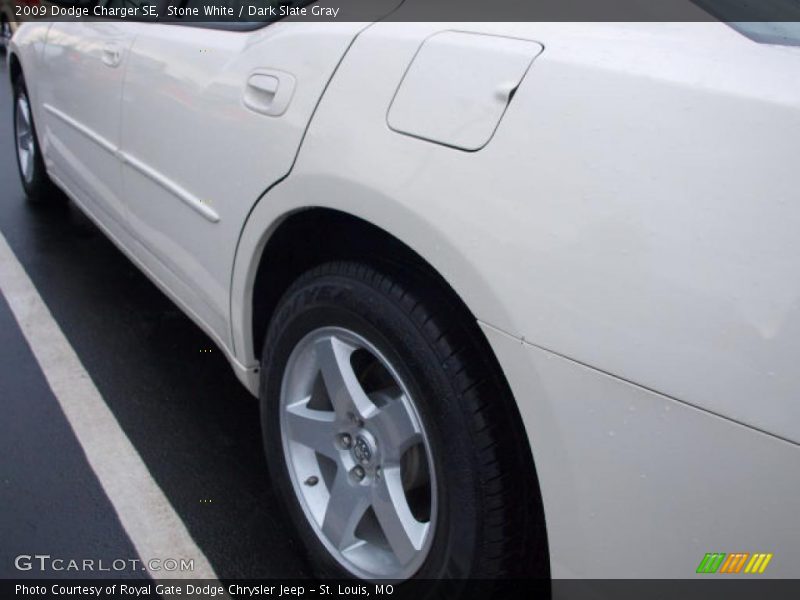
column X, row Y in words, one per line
column 516, row 298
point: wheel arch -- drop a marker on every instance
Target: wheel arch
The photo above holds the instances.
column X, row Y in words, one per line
column 14, row 66
column 285, row 235
column 309, row 237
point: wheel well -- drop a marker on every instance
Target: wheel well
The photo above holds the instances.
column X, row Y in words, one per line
column 314, row 236
column 15, row 69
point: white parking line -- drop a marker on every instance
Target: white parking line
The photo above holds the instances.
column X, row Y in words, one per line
column 151, row 523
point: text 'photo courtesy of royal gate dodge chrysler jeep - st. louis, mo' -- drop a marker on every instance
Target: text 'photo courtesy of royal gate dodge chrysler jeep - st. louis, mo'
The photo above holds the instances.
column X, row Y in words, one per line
column 516, row 299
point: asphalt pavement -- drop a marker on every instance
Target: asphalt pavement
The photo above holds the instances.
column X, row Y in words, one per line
column 192, row 423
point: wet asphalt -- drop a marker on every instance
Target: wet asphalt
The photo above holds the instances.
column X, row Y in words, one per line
column 193, row 424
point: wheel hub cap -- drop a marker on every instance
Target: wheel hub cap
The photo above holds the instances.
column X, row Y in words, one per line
column 364, row 450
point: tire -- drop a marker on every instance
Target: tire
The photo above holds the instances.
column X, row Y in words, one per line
column 30, row 164
column 420, row 364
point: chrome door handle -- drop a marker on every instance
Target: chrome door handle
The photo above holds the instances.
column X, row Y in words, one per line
column 269, row 92
column 112, row 55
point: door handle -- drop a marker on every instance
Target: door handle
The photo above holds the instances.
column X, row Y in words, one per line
column 269, row 92
column 112, row 55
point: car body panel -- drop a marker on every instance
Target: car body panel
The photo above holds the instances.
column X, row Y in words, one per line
column 187, row 207
column 80, row 93
column 664, row 258
column 639, row 485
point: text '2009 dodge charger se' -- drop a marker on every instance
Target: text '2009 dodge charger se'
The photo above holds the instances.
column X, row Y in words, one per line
column 516, row 298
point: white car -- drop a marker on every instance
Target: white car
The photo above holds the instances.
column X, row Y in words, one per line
column 516, row 298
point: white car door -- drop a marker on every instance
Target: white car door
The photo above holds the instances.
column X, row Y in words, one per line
column 212, row 117
column 84, row 67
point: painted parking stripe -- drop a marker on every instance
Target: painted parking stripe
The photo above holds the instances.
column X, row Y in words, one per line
column 153, row 526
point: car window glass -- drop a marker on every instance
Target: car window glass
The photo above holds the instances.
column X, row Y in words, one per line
column 769, row 22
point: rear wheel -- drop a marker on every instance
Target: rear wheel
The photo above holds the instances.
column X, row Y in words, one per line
column 32, row 172
column 395, row 443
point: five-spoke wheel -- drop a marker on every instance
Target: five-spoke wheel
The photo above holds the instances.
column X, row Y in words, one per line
column 26, row 147
column 358, row 455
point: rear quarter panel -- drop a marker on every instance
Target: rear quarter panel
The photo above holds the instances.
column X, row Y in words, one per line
column 628, row 241
column 636, row 210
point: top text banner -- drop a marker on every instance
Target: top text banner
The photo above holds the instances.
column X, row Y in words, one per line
column 252, row 13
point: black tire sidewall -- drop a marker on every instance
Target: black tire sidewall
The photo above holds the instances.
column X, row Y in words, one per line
column 341, row 301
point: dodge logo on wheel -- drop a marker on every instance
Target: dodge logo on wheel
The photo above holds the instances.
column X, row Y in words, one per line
column 362, row 451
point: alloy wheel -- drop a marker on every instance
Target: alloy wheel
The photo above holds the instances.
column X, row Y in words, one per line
column 358, row 455
column 26, row 147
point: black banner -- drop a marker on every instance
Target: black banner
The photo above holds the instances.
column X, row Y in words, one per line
column 634, row 589
column 266, row 11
